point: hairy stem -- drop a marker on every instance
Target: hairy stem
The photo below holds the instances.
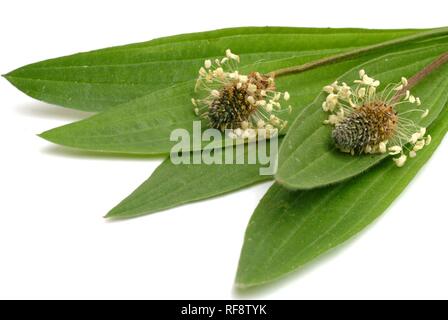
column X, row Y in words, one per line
column 357, row 52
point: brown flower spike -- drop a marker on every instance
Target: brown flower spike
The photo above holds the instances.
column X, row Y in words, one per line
column 367, row 122
column 242, row 104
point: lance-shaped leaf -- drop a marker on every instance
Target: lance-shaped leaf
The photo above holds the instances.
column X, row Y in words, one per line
column 144, row 125
column 291, row 228
column 308, row 158
column 172, row 185
column 101, row 79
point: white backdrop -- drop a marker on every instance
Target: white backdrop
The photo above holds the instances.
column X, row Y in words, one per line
column 54, row 242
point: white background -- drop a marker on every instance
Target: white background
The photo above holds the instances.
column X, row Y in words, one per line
column 54, row 242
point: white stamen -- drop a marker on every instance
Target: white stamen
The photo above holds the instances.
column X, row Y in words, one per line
column 251, row 134
column 331, row 101
column 400, row 161
column 419, row 145
column 425, row 114
column 286, row 96
column 232, row 56
column 215, row 93
column 345, row 91
column 428, row 139
column 368, row 81
column 361, row 92
column 250, row 99
column 395, row 150
column 234, row 75
column 333, row 119
column 219, row 72
column 404, row 81
column 335, row 85
column 207, row 64
column 251, row 88
column 422, row 132
column 361, row 73
column 243, row 79
column 274, row 120
column 329, row 89
column 414, row 137
column 382, row 147
column 408, row 93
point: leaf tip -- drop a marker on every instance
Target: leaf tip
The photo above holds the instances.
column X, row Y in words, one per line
column 55, row 136
column 240, row 286
column 119, row 213
column 8, row 76
column 243, row 285
column 243, row 279
column 11, row 74
column 111, row 215
column 46, row 135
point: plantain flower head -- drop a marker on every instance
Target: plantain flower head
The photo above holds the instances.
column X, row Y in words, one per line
column 365, row 121
column 240, row 103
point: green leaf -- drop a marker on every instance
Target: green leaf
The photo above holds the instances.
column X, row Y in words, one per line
column 291, row 228
column 172, row 185
column 147, row 198
column 308, row 158
column 101, row 79
column 143, row 125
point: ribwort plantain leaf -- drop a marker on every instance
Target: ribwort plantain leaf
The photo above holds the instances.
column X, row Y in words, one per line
column 102, row 79
column 291, row 228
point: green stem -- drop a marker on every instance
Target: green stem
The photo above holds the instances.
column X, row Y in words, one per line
column 357, row 52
